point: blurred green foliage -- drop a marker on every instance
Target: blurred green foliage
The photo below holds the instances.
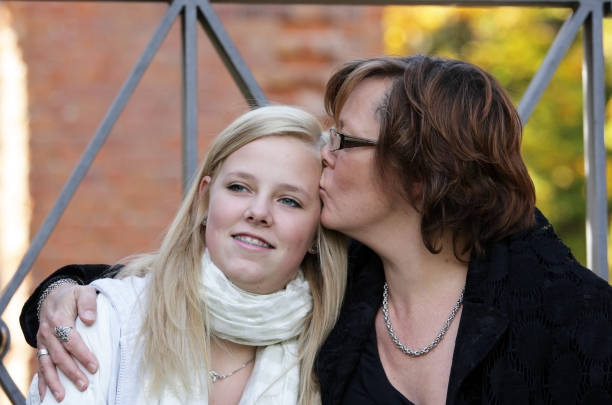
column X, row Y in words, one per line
column 511, row 42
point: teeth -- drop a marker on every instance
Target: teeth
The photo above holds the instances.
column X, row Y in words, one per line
column 252, row 241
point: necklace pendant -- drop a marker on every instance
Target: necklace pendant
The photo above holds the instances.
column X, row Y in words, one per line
column 214, row 376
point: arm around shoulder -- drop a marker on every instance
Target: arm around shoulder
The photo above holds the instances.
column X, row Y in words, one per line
column 82, row 274
column 102, row 338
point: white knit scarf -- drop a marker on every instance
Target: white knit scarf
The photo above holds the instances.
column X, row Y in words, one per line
column 271, row 321
column 254, row 319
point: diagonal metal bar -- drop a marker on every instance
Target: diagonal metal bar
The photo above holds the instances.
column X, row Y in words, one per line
column 553, row 57
column 230, row 55
column 190, row 91
column 9, row 387
column 594, row 147
column 90, row 153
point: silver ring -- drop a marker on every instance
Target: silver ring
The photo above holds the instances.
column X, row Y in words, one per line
column 41, row 352
column 63, row 333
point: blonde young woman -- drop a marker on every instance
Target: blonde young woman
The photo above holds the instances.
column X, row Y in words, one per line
column 242, row 292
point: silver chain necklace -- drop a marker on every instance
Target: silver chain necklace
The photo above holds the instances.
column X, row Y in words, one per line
column 216, row 376
column 437, row 339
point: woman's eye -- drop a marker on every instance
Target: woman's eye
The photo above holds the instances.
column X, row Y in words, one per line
column 238, row 188
column 290, row 202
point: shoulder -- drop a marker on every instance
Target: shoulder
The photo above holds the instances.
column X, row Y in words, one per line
column 126, row 289
column 126, row 296
column 103, row 335
column 546, row 293
column 558, row 338
column 540, row 258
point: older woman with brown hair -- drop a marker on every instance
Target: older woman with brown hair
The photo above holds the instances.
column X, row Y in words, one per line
column 462, row 293
column 459, row 290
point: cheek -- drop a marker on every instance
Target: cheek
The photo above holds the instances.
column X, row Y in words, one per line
column 218, row 218
column 209, row 237
column 301, row 233
column 341, row 180
column 349, row 190
column 351, row 173
column 223, row 210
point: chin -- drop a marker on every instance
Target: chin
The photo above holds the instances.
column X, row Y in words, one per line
column 246, row 284
column 244, row 275
column 326, row 216
column 329, row 221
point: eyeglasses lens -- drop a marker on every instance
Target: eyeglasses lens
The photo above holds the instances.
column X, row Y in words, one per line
column 334, row 139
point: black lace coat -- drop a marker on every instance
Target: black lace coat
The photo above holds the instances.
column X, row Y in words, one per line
column 536, row 327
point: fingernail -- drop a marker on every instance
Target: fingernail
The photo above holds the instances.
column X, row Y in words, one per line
column 92, row 367
column 82, row 385
column 89, row 315
column 56, row 394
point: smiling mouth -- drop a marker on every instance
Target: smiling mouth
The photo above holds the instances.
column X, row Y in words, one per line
column 253, row 241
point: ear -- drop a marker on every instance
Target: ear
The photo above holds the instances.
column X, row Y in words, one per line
column 203, row 186
column 314, row 246
column 416, row 190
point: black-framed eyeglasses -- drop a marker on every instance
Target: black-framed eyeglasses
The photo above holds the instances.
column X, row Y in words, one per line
column 338, row 140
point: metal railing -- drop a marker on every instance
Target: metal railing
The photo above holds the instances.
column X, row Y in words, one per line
column 587, row 14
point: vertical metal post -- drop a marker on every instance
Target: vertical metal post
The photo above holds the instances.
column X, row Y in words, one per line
column 190, row 93
column 547, row 69
column 594, row 148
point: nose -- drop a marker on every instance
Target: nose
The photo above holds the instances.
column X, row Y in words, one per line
column 328, row 157
column 258, row 212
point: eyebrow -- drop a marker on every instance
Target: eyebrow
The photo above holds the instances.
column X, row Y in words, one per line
column 295, row 189
column 342, row 128
column 349, row 132
column 244, row 175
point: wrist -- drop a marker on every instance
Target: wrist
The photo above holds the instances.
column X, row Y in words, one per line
column 50, row 288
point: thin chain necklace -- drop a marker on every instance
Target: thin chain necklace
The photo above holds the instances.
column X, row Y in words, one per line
column 216, row 376
column 437, row 339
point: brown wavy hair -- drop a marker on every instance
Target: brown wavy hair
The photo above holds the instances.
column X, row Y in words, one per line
column 449, row 143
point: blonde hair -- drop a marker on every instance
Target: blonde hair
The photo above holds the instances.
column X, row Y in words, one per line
column 175, row 333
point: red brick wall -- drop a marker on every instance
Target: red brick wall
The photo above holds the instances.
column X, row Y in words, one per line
column 79, row 54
